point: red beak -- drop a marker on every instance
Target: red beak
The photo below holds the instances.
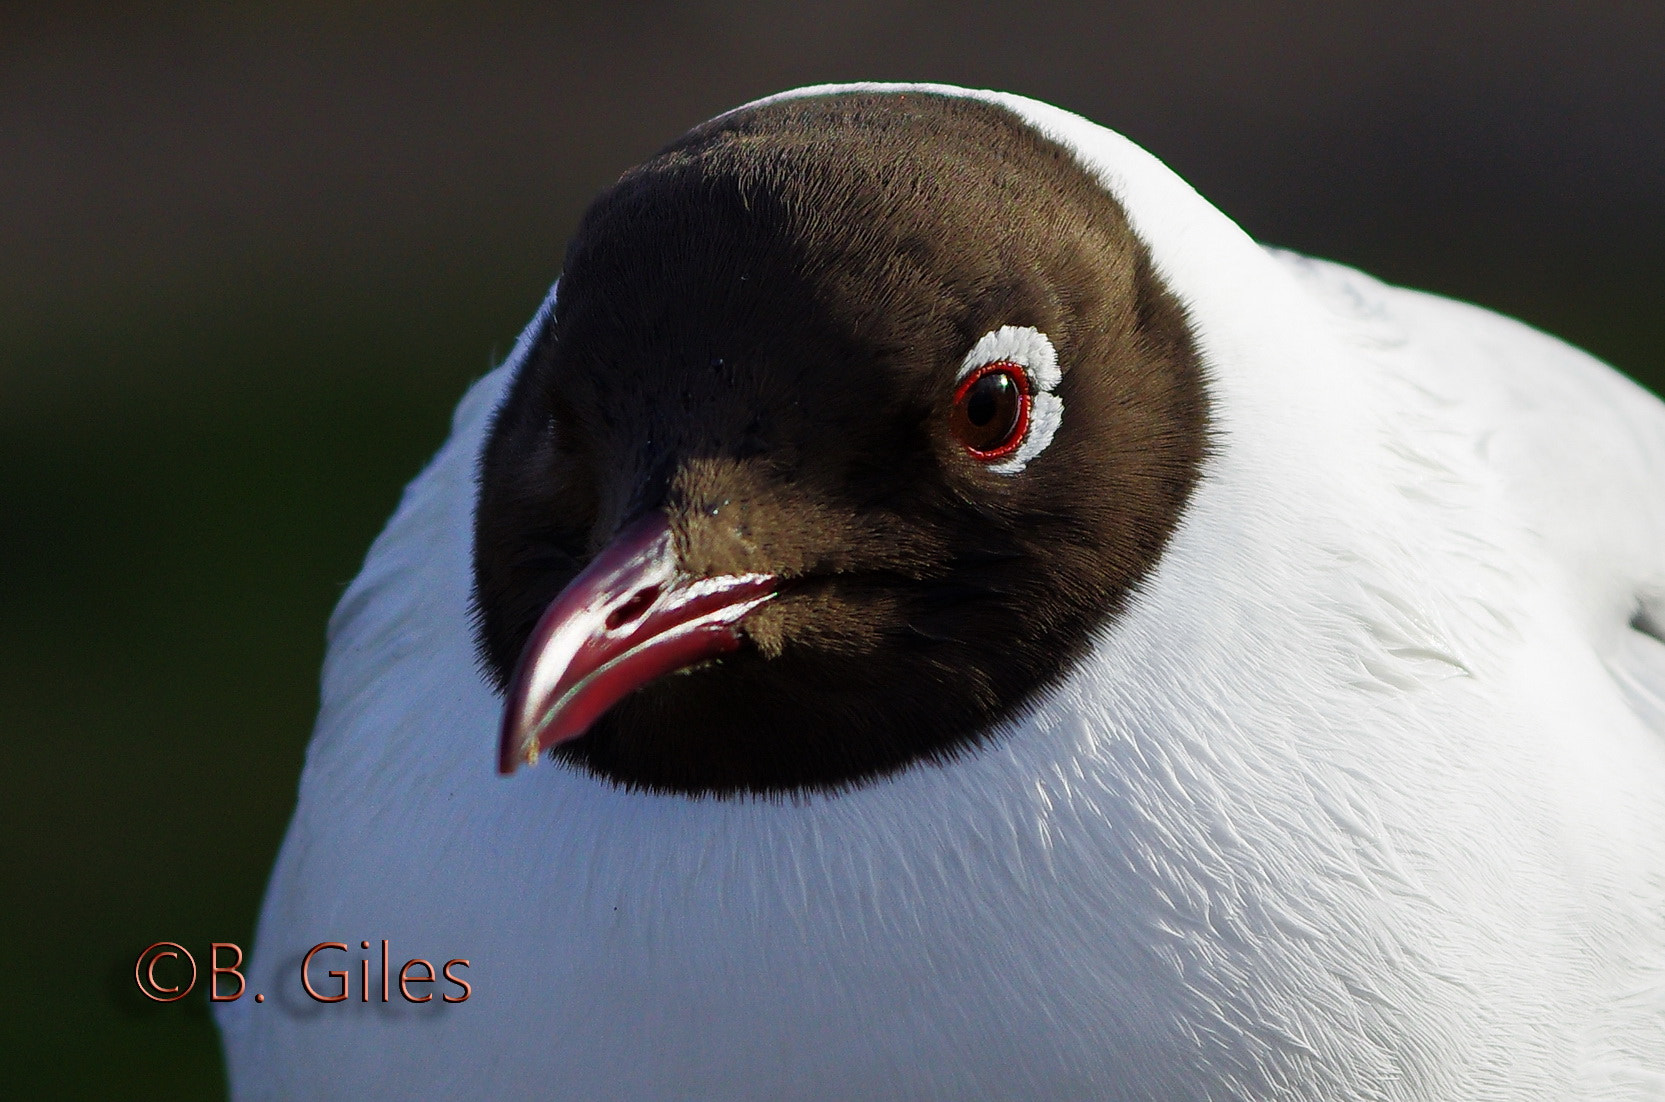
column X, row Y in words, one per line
column 630, row 617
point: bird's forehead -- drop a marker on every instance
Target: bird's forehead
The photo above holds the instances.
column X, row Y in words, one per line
column 893, row 230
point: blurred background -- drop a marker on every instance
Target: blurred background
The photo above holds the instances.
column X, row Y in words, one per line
column 250, row 255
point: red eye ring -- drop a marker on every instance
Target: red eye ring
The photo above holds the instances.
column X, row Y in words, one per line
column 1013, row 420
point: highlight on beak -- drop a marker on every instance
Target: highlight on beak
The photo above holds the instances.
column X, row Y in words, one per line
column 630, row 617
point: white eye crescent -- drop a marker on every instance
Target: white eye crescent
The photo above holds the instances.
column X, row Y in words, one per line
column 1029, row 348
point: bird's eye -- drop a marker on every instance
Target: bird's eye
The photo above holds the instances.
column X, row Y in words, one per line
column 1006, row 402
column 991, row 410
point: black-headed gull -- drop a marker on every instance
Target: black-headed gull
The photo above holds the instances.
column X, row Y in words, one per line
column 1000, row 633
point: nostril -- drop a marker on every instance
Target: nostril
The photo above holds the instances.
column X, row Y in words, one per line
column 632, row 609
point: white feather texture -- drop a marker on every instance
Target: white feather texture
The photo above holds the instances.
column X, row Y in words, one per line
column 1361, row 798
column 1023, row 345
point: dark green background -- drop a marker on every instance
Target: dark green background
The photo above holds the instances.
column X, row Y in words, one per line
column 250, row 257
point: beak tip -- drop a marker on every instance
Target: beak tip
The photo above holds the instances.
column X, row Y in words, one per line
column 514, row 749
